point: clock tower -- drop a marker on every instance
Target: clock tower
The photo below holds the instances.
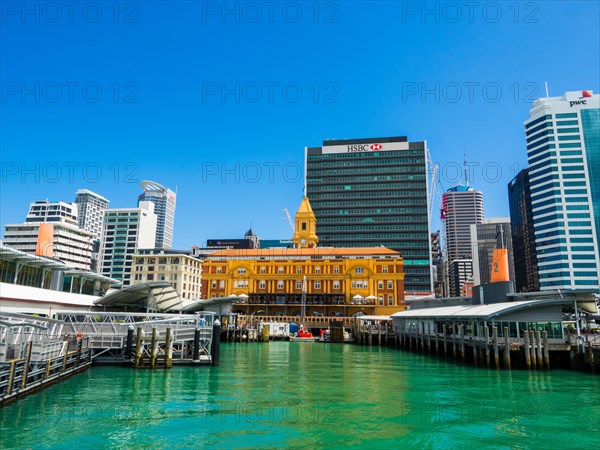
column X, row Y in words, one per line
column 305, row 233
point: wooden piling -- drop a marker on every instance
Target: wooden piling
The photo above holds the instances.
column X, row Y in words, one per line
column 370, row 335
column 11, row 377
column 506, row 349
column 532, row 350
column 437, row 339
column 445, row 340
column 168, row 349
column 153, row 349
column 26, row 366
column 590, row 355
column 546, row 350
column 138, row 348
column 379, row 330
column 538, row 342
column 265, row 333
column 428, row 337
column 462, row 342
column 526, row 348
column 487, row 346
column 495, row 341
column 454, row 352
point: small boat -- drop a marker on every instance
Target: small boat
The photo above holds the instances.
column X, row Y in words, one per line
column 303, row 336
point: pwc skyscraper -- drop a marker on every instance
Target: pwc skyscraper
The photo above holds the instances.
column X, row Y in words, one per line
column 563, row 150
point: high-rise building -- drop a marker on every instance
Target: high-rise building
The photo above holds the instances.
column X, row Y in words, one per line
column 485, row 237
column 462, row 206
column 164, row 200
column 460, row 273
column 90, row 211
column 46, row 211
column 563, row 151
column 125, row 231
column 373, row 192
column 523, row 235
column 64, row 239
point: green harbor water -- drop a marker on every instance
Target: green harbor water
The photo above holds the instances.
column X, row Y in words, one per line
column 310, row 395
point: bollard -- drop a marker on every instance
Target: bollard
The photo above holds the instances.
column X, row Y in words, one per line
column 265, row 333
column 196, row 354
column 215, row 344
column 506, row 349
column 129, row 342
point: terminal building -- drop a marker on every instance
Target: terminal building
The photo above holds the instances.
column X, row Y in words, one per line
column 373, row 192
column 336, row 281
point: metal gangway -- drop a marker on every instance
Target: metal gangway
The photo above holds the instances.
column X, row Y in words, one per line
column 113, row 336
column 34, row 351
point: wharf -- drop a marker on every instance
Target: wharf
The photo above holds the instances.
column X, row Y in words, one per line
column 38, row 351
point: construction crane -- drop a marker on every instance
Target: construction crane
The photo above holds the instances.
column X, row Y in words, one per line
column 289, row 218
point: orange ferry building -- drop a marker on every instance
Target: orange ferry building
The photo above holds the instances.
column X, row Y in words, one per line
column 338, row 281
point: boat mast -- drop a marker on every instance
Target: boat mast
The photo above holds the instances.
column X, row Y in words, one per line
column 303, row 308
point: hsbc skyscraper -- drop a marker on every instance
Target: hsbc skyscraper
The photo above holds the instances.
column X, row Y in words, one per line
column 371, row 192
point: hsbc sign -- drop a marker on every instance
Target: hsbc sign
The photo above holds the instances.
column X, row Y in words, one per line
column 364, row 148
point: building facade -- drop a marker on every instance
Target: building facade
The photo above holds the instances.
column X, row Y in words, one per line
column 63, row 240
column 164, row 200
column 66, row 242
column 485, row 237
column 124, row 233
column 523, row 234
column 563, row 151
column 90, row 211
column 336, row 281
column 179, row 268
column 46, row 211
column 373, row 192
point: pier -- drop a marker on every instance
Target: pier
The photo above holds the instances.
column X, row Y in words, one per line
column 38, row 351
column 531, row 334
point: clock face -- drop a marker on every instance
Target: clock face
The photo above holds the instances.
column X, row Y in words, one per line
column 303, row 241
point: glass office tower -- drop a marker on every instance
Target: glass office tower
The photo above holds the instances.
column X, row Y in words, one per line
column 371, row 192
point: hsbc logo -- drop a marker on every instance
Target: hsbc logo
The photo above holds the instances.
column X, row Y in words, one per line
column 364, row 147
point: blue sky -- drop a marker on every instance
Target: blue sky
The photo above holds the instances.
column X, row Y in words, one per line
column 221, row 106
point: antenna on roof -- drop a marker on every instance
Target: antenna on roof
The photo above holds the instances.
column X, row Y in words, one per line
column 466, row 169
column 546, row 84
